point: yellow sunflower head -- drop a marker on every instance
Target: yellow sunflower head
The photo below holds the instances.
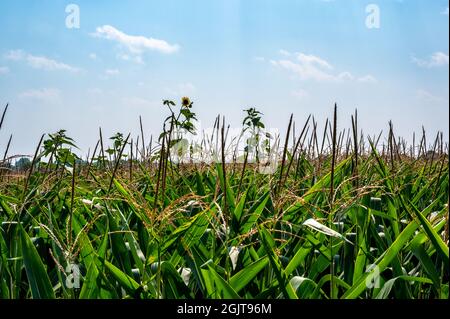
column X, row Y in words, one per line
column 185, row 101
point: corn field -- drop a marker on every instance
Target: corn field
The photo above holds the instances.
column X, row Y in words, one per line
column 340, row 215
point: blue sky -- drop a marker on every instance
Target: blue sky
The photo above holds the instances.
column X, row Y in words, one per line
column 280, row 56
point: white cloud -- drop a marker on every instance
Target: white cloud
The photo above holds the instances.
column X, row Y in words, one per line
column 109, row 73
column 367, row 79
column 135, row 45
column 112, row 72
column 345, row 76
column 307, row 67
column 445, row 12
column 313, row 61
column 437, row 59
column 300, row 94
column 39, row 62
column 46, row 95
column 259, row 59
column 93, row 56
column 428, row 97
column 4, row 69
column 15, row 55
column 303, row 71
column 311, row 67
column 126, row 57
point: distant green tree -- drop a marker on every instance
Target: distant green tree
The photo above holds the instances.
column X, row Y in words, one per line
column 23, row 164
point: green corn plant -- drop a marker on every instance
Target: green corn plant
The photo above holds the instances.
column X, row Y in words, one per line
column 195, row 230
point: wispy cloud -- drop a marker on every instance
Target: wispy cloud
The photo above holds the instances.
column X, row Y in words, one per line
column 437, row 59
column 4, row 69
column 311, row 67
column 428, row 97
column 46, row 95
column 300, row 94
column 182, row 89
column 92, row 56
column 128, row 57
column 313, row 60
column 135, row 45
column 284, row 52
column 367, row 79
column 304, row 72
column 112, row 72
column 109, row 73
column 15, row 55
column 445, row 11
column 345, row 76
column 40, row 62
column 259, row 59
